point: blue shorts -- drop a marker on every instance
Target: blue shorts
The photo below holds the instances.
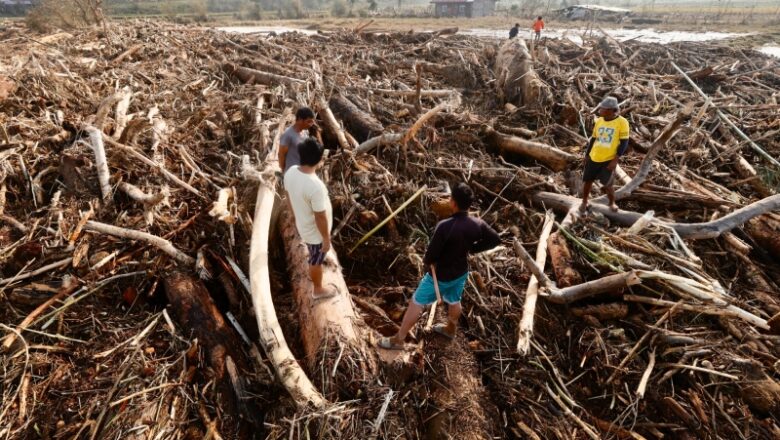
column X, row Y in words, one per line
column 451, row 291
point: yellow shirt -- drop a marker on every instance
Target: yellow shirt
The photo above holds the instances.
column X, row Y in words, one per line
column 608, row 135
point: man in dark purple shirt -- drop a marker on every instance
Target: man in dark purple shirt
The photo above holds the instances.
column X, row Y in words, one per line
column 447, row 257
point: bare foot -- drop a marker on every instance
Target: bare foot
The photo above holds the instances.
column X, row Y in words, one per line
column 584, row 208
column 613, row 207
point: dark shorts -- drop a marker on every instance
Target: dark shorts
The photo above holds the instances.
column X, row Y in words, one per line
column 597, row 171
column 316, row 256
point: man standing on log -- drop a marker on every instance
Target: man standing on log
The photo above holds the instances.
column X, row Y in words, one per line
column 608, row 142
column 294, row 135
column 513, row 32
column 308, row 196
column 538, row 26
column 447, row 257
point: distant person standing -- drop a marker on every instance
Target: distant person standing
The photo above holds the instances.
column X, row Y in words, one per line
column 538, row 26
column 513, row 32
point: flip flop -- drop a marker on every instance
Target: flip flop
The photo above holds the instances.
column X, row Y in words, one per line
column 387, row 344
column 440, row 329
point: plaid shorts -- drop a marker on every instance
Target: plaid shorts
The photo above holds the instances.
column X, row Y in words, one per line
column 316, row 256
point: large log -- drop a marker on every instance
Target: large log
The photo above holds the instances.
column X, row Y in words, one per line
column 328, row 326
column 195, row 311
column 461, row 407
column 288, row 371
column 557, row 160
column 516, row 80
column 360, row 124
column 695, row 231
column 253, row 76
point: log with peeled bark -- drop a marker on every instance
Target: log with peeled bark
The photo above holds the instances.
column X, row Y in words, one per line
column 557, row 160
column 331, row 329
column 253, row 76
column 695, row 231
column 360, row 124
column 526, row 326
column 195, row 311
column 516, row 80
column 288, row 370
column 610, row 283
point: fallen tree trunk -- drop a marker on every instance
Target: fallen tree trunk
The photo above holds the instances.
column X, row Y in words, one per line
column 561, row 261
column 332, row 125
column 196, row 312
column 361, row 124
column 330, row 328
column 516, row 80
column 557, row 160
column 461, row 406
column 253, row 76
column 696, row 231
column 288, row 371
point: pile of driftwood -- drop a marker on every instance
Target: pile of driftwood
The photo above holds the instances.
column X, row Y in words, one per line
column 154, row 285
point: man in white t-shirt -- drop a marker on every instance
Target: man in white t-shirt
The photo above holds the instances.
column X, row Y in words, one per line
column 308, row 197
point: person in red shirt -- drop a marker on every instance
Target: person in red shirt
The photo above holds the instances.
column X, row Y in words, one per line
column 538, row 26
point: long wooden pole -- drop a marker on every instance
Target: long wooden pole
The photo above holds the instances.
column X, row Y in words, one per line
column 726, row 119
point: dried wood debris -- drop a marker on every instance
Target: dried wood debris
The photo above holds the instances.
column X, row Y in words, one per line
column 130, row 159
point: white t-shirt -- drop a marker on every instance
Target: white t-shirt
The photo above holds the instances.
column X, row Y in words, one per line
column 308, row 194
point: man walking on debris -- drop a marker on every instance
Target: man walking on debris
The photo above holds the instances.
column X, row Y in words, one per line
column 308, row 196
column 608, row 142
column 294, row 135
column 538, row 26
column 513, row 32
column 447, row 257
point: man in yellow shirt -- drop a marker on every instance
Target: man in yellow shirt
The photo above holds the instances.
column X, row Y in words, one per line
column 608, row 142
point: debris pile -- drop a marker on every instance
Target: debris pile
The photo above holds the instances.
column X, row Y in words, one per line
column 140, row 243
